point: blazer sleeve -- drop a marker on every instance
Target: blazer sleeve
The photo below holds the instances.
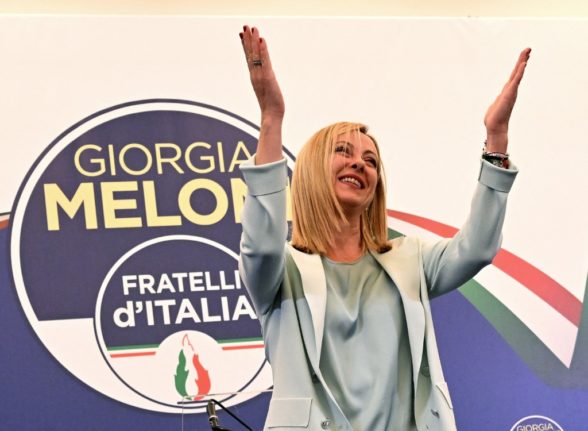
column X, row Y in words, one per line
column 451, row 262
column 262, row 248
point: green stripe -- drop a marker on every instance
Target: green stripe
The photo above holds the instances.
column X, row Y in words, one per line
column 525, row 343
column 392, row 234
column 522, row 340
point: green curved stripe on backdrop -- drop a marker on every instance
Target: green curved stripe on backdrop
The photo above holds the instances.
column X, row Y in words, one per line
column 527, row 345
column 524, row 342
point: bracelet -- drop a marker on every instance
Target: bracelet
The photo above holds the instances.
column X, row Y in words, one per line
column 496, row 158
column 501, row 156
column 501, row 163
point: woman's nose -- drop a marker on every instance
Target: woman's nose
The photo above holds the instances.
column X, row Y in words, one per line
column 357, row 164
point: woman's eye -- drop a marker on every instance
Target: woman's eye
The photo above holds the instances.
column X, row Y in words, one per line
column 342, row 149
column 371, row 162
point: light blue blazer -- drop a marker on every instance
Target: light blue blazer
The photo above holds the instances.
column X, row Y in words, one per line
column 288, row 290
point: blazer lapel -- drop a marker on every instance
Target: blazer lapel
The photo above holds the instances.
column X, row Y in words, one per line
column 401, row 264
column 314, row 285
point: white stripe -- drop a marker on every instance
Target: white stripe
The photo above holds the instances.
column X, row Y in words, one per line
column 554, row 330
column 242, row 343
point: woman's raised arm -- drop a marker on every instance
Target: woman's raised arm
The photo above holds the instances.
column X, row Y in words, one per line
column 269, row 96
column 451, row 262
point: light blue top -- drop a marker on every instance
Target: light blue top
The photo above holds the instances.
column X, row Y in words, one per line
column 365, row 358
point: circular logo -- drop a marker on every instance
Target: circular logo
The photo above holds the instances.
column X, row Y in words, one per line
column 124, row 247
column 536, row 423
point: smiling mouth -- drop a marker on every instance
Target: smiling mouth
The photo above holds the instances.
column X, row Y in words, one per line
column 351, row 180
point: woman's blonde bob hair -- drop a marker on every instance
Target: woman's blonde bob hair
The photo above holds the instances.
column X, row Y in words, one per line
column 317, row 216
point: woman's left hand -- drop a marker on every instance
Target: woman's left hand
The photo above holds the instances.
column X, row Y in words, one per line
column 498, row 114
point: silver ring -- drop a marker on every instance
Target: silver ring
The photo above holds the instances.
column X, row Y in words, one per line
column 257, row 63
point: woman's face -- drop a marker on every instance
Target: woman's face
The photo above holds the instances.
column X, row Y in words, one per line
column 355, row 171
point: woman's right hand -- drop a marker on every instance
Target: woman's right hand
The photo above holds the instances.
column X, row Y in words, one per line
column 269, row 96
column 261, row 73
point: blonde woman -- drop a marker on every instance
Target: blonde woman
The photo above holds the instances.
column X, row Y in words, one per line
column 344, row 312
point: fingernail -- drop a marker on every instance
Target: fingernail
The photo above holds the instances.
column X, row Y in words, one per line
column 241, row 35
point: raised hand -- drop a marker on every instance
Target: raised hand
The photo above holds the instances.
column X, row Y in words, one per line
column 261, row 73
column 498, row 114
column 269, row 96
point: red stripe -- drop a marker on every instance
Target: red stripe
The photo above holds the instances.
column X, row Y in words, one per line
column 4, row 224
column 529, row 276
column 128, row 355
column 248, row 346
column 541, row 285
column 440, row 229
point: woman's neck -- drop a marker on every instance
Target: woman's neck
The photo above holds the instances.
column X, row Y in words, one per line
column 348, row 245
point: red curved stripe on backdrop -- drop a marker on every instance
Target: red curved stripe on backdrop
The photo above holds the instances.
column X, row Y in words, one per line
column 3, row 224
column 529, row 276
column 131, row 355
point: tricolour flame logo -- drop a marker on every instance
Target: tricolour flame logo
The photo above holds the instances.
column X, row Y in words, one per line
column 183, row 373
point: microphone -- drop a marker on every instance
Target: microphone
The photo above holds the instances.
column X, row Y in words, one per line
column 212, row 417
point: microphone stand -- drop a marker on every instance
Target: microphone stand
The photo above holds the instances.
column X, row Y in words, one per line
column 213, row 418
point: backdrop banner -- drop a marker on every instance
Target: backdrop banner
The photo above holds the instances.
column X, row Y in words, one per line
column 121, row 304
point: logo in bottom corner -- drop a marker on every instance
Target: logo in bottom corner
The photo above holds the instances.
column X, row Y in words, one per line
column 536, row 423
